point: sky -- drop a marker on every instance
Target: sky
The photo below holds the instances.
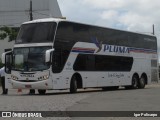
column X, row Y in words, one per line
column 132, row 15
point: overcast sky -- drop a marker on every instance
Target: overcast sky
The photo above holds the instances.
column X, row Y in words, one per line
column 132, row 15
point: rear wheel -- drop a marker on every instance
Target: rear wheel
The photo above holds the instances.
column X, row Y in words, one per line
column 142, row 82
column 42, row 92
column 73, row 85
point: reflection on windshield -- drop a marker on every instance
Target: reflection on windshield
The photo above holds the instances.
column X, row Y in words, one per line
column 30, row 59
column 36, row 33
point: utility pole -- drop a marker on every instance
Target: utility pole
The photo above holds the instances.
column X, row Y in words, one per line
column 31, row 11
column 32, row 91
column 153, row 30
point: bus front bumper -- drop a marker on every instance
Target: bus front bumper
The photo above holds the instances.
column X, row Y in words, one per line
column 30, row 85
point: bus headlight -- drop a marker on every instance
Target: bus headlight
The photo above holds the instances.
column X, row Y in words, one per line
column 14, row 77
column 45, row 77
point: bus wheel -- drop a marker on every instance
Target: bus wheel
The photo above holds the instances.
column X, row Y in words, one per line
column 141, row 83
column 134, row 82
column 73, row 85
column 42, row 92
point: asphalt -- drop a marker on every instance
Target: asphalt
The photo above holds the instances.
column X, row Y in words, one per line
column 147, row 99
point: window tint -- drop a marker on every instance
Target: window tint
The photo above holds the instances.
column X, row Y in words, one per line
column 76, row 32
column 80, row 63
column 30, row 59
column 142, row 41
column 36, row 33
column 59, row 58
column 56, row 61
column 86, row 62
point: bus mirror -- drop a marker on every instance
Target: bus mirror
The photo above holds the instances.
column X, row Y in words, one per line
column 4, row 56
column 7, row 60
column 48, row 55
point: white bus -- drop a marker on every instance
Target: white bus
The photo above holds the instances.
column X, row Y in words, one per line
column 56, row 54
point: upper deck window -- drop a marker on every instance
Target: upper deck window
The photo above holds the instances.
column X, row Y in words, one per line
column 36, row 33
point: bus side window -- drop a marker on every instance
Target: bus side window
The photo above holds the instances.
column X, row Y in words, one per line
column 59, row 58
column 57, row 61
column 80, row 63
column 90, row 63
column 65, row 54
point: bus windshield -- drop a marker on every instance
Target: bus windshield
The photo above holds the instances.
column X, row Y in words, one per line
column 36, row 33
column 30, row 59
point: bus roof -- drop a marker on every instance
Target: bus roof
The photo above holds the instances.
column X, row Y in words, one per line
column 62, row 19
column 45, row 20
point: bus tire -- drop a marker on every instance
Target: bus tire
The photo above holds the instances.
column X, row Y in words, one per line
column 73, row 85
column 134, row 82
column 42, row 92
column 142, row 82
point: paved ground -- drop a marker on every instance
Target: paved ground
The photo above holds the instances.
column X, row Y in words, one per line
column 90, row 100
column 53, row 101
column 121, row 100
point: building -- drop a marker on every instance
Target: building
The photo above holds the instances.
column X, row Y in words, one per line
column 14, row 12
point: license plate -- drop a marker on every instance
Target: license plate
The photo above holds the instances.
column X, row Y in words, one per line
column 28, row 86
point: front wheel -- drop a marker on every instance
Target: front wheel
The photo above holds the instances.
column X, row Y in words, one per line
column 42, row 92
column 73, row 85
column 134, row 83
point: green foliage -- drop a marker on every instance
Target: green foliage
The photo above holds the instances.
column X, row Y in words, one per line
column 11, row 33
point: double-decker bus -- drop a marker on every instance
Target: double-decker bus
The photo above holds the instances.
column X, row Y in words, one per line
column 56, row 54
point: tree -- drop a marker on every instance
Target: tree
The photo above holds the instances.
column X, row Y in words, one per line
column 11, row 33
